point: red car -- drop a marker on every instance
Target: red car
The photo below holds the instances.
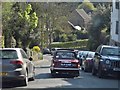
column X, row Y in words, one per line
column 88, row 62
column 65, row 62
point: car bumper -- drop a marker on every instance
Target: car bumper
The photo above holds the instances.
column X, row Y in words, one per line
column 70, row 71
column 15, row 75
column 65, row 69
column 115, row 71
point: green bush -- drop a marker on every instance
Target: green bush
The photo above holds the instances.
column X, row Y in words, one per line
column 82, row 44
column 40, row 56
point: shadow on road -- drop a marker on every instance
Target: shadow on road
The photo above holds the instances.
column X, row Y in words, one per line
column 9, row 85
column 49, row 76
column 37, row 67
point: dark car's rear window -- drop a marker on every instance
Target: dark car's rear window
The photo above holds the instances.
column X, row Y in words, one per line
column 8, row 54
column 65, row 55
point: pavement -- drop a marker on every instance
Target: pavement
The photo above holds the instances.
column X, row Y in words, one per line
column 37, row 62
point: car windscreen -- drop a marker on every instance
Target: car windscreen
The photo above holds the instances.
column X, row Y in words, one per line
column 65, row 55
column 111, row 52
column 90, row 55
column 8, row 54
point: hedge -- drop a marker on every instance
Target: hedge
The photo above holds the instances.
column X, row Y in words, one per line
column 79, row 44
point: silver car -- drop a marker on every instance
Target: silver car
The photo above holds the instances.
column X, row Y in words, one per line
column 15, row 65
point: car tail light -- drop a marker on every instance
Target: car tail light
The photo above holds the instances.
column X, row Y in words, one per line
column 53, row 64
column 16, row 62
column 78, row 65
column 76, row 61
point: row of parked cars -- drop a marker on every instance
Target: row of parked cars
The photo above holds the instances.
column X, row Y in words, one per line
column 16, row 65
column 104, row 61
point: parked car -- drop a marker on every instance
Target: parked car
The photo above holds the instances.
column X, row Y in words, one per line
column 16, row 66
column 79, row 56
column 65, row 62
column 46, row 51
column 106, row 61
column 83, row 57
column 53, row 50
column 88, row 62
column 76, row 51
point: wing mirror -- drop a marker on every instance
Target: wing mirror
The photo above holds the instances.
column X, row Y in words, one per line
column 98, row 55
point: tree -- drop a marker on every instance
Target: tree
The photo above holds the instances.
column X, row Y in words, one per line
column 6, row 15
column 100, row 22
column 23, row 22
column 87, row 6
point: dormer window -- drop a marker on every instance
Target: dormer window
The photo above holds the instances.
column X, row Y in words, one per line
column 117, row 4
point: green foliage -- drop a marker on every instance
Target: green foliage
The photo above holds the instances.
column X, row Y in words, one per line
column 72, row 37
column 87, row 6
column 63, row 37
column 100, row 21
column 81, row 44
column 6, row 15
column 40, row 57
column 22, row 23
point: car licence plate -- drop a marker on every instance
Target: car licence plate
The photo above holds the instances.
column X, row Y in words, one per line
column 3, row 74
column 66, row 64
column 116, row 69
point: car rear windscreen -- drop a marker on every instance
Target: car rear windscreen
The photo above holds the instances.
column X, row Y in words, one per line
column 8, row 54
column 65, row 55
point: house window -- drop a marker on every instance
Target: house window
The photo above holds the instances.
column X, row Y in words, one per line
column 117, row 26
column 117, row 4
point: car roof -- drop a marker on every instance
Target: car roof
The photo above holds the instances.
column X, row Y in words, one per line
column 65, row 51
column 10, row 48
column 110, row 46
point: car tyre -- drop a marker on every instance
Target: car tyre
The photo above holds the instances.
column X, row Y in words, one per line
column 25, row 81
column 52, row 73
column 77, row 74
column 33, row 77
column 82, row 68
column 100, row 73
column 85, row 69
column 94, row 71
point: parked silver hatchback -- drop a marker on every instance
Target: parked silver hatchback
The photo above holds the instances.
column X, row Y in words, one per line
column 16, row 66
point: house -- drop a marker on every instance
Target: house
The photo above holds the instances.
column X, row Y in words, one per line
column 79, row 19
column 115, row 23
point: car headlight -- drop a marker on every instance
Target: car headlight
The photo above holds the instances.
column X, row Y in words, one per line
column 107, row 61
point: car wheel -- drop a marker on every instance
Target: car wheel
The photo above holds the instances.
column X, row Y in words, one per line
column 25, row 81
column 100, row 73
column 94, row 71
column 85, row 69
column 82, row 68
column 77, row 74
column 33, row 77
column 52, row 73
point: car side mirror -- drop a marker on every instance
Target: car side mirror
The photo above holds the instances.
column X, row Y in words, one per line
column 31, row 59
column 98, row 55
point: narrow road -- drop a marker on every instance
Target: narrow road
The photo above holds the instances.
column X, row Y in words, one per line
column 43, row 79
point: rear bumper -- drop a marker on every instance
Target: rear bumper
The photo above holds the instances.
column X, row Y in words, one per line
column 65, row 69
column 70, row 71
